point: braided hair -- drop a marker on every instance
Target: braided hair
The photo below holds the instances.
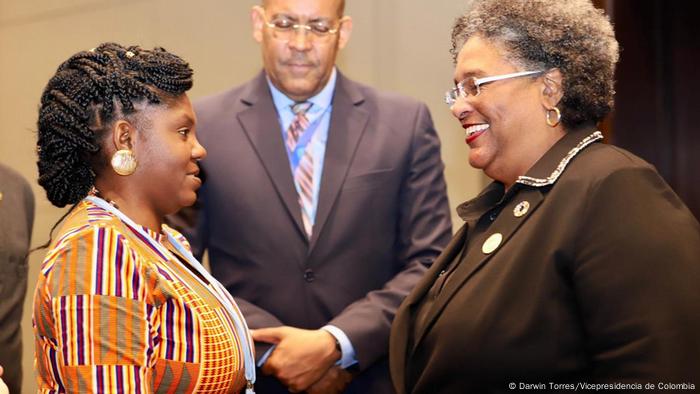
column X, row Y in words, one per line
column 87, row 94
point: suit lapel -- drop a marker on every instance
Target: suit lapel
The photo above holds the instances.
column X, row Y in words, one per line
column 261, row 125
column 348, row 123
column 441, row 262
column 506, row 224
column 399, row 337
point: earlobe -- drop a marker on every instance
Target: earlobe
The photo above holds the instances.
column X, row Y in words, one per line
column 123, row 161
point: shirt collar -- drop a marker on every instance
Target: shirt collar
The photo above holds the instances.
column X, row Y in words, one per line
column 321, row 100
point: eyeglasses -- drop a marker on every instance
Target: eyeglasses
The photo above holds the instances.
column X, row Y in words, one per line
column 285, row 27
column 470, row 86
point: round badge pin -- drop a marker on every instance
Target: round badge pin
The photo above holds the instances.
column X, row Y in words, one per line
column 521, row 209
column 492, row 243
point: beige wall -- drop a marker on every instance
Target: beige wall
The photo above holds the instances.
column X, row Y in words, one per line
column 399, row 45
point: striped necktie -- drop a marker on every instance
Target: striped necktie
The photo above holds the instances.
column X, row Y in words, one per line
column 304, row 173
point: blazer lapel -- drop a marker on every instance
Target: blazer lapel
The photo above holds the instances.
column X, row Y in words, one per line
column 348, row 124
column 261, row 125
column 441, row 262
column 399, row 337
column 506, row 224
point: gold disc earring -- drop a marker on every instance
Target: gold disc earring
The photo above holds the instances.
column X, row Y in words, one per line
column 124, row 162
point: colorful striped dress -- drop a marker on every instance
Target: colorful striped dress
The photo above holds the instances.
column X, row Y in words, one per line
column 111, row 315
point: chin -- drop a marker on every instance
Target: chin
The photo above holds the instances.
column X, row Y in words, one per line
column 476, row 162
column 188, row 201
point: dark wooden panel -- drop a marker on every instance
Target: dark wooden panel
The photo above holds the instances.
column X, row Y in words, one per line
column 658, row 81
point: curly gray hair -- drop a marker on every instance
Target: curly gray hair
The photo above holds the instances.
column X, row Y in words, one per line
column 570, row 35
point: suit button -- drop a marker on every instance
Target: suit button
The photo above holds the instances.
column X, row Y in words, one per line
column 309, row 275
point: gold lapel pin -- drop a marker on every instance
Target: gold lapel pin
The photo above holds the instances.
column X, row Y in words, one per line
column 492, row 243
column 0, row 196
column 521, row 209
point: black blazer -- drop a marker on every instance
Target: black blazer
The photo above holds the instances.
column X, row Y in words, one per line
column 597, row 281
column 382, row 215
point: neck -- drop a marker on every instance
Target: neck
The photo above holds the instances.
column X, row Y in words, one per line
column 135, row 208
column 528, row 156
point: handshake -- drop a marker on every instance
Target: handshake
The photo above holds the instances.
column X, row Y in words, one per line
column 303, row 360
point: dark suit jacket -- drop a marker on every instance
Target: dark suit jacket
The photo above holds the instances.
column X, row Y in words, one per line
column 382, row 215
column 16, row 220
column 596, row 282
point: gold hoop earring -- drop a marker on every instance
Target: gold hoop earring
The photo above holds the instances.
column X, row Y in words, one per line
column 557, row 120
column 124, row 162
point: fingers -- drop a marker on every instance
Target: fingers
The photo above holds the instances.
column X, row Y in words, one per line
column 269, row 335
column 334, row 381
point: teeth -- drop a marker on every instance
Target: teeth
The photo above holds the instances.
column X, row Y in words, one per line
column 471, row 130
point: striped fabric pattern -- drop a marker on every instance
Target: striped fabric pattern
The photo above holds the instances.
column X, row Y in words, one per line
column 304, row 173
column 111, row 315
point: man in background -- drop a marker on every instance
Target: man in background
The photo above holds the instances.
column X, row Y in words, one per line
column 323, row 204
column 16, row 220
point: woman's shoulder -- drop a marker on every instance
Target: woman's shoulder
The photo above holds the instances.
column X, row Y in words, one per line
column 601, row 161
column 89, row 233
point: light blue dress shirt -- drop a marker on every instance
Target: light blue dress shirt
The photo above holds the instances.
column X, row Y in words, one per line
column 319, row 112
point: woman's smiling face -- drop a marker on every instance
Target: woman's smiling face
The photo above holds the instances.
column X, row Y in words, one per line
column 168, row 153
column 499, row 121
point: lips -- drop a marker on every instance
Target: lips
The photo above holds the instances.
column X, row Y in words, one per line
column 299, row 69
column 474, row 131
column 197, row 181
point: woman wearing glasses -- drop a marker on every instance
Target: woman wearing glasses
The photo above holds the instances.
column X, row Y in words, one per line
column 577, row 264
column 121, row 305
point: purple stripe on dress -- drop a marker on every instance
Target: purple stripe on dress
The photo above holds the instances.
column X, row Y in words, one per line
column 98, row 269
column 164, row 273
column 189, row 335
column 99, row 377
column 169, row 323
column 64, row 329
column 54, row 371
column 119, row 372
column 152, row 342
column 147, row 241
column 135, row 283
column 118, row 268
column 80, row 337
column 137, row 380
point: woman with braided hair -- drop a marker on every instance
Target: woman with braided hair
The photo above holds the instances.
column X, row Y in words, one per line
column 121, row 304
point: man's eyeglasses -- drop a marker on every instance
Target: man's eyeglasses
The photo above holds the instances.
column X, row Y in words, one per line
column 285, row 27
column 470, row 86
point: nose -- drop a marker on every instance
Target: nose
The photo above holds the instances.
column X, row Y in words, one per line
column 300, row 39
column 198, row 151
column 461, row 108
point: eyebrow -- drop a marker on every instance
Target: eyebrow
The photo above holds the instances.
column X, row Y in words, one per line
column 296, row 18
column 185, row 118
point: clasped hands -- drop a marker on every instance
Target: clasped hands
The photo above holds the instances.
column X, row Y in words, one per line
column 303, row 360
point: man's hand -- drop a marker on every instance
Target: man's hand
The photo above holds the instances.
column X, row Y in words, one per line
column 334, row 381
column 301, row 357
column 3, row 386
